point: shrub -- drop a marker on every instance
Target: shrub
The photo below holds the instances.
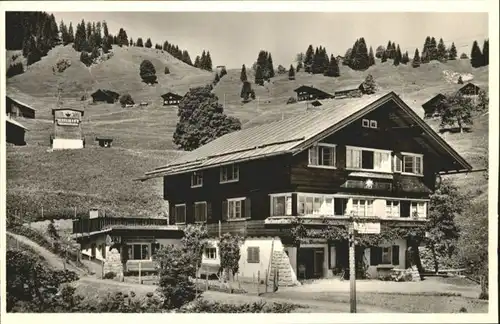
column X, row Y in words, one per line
column 86, row 58
column 126, row 99
column 229, row 252
column 15, row 69
column 62, row 65
column 204, row 306
column 167, row 71
column 109, row 275
column 291, row 100
column 147, row 72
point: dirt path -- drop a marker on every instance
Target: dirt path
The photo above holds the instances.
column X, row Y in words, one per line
column 52, row 259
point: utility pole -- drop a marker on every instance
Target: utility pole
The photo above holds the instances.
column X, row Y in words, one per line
column 224, row 104
column 352, row 267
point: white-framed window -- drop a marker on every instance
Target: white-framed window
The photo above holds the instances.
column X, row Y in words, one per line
column 365, row 123
column 409, row 163
column 418, row 209
column 322, row 155
column 180, row 213
column 139, row 251
column 386, row 255
column 392, row 208
column 373, row 124
column 234, row 208
column 210, row 253
column 196, row 179
column 229, row 173
column 281, row 205
column 200, row 211
column 362, row 207
column 314, row 204
column 368, row 159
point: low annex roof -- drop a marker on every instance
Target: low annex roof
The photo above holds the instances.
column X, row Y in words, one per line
column 291, row 135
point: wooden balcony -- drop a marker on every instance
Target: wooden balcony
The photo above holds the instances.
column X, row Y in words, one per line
column 90, row 225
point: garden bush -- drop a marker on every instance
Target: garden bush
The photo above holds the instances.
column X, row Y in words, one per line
column 291, row 100
column 15, row 69
column 204, row 306
column 109, row 275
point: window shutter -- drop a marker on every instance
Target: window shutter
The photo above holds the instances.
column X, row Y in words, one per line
column 395, row 255
column 373, row 256
column 257, row 255
column 249, row 255
column 224, row 210
column 209, row 211
column 247, row 208
column 171, row 219
column 398, row 164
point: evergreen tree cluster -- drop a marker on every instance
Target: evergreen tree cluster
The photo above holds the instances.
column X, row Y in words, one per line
column 434, row 50
column 480, row 58
column 316, row 61
column 358, row 57
column 36, row 33
column 264, row 69
column 204, row 61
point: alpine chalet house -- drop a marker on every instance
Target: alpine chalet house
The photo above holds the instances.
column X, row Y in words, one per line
column 68, row 132
column 171, row 99
column 311, row 93
column 369, row 157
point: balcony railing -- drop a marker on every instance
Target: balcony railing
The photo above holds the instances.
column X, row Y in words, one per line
column 89, row 225
column 360, row 184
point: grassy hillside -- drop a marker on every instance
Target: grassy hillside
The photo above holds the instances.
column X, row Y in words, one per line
column 143, row 135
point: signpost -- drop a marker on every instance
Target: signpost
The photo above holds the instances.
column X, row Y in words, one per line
column 354, row 229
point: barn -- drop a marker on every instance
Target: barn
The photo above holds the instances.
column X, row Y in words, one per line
column 171, row 99
column 16, row 108
column 431, row 106
column 470, row 89
column 15, row 132
column 311, row 93
column 67, row 129
column 351, row 91
column 107, row 96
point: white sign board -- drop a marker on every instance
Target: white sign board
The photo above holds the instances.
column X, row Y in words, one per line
column 367, row 228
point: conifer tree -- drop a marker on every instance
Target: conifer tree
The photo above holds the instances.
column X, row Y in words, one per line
column 208, row 62
column 371, row 57
column 416, row 59
column 71, row 34
column 308, row 60
column 243, row 74
column 405, row 59
column 486, row 53
column 452, row 53
column 270, row 66
column 441, row 50
column 379, row 52
column 476, row 57
column 259, row 77
column 384, row 57
column 139, row 42
column 291, row 73
column 217, row 78
column 197, row 61
column 333, row 68
column 131, row 42
column 433, row 51
column 359, row 57
column 203, row 60
column 148, row 43
column 460, row 81
column 388, row 50
column 425, row 51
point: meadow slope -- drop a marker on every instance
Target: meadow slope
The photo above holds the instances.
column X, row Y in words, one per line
column 143, row 135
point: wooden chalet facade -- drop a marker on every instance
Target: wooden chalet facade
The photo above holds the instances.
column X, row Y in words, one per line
column 171, row 99
column 310, row 93
column 469, row 89
column 433, row 105
column 350, row 92
column 107, row 96
column 372, row 158
column 16, row 108
column 15, row 132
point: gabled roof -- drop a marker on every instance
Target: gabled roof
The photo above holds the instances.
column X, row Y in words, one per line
column 73, row 109
column 107, row 93
column 316, row 103
column 292, row 136
column 469, row 85
column 351, row 87
column 9, row 97
column 433, row 100
column 171, row 94
column 311, row 90
column 15, row 122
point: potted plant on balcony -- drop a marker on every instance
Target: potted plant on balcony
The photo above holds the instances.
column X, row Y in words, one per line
column 415, row 215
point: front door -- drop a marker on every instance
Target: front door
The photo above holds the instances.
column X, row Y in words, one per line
column 319, row 258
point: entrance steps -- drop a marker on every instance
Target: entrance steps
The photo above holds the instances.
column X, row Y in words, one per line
column 281, row 263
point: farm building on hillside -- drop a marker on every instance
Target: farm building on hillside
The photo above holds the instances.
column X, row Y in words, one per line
column 431, row 107
column 67, row 129
column 104, row 141
column 352, row 91
column 469, row 89
column 171, row 99
column 107, row 96
column 16, row 108
column 311, row 167
column 15, row 132
column 311, row 93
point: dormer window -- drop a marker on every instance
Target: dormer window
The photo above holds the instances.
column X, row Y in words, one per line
column 196, row 179
column 369, row 123
column 322, row 155
column 229, row 173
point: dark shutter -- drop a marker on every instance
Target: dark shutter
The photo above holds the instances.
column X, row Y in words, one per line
column 171, row 219
column 395, row 255
column 224, row 210
column 247, row 208
column 294, row 204
column 257, row 254
column 249, row 255
column 189, row 213
column 209, row 211
column 253, row 254
column 375, row 255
